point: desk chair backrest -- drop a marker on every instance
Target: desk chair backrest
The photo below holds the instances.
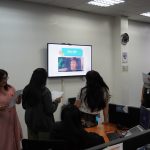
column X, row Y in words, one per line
column 44, row 145
column 71, row 100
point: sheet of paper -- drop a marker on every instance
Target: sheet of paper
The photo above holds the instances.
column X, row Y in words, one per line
column 56, row 94
column 115, row 147
column 13, row 100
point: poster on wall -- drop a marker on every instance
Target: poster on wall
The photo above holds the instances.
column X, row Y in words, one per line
column 124, row 61
column 124, row 57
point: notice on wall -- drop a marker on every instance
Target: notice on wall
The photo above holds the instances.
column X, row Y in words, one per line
column 124, row 57
column 124, row 61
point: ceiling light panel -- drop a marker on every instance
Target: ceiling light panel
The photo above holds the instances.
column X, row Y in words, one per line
column 147, row 14
column 105, row 3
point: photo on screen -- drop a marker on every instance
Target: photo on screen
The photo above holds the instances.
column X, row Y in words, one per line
column 68, row 60
column 70, row 64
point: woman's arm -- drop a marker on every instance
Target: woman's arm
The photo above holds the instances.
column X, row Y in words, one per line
column 49, row 105
column 105, row 113
column 107, row 97
column 77, row 103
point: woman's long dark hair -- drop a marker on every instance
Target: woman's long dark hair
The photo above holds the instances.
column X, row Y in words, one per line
column 33, row 92
column 95, row 89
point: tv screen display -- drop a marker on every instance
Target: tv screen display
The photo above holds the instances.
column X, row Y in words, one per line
column 68, row 59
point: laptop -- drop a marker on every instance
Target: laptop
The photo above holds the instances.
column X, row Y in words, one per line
column 144, row 122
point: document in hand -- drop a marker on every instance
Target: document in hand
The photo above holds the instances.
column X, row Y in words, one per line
column 56, row 94
column 146, row 80
column 13, row 101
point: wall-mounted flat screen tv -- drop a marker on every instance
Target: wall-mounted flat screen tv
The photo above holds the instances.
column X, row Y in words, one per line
column 68, row 59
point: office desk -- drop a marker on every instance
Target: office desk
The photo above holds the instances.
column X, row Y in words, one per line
column 102, row 129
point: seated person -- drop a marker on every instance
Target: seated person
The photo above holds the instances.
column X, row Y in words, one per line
column 70, row 129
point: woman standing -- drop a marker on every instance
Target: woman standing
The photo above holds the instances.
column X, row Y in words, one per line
column 145, row 97
column 93, row 98
column 10, row 129
column 38, row 105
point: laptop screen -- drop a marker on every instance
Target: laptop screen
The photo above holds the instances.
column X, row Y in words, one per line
column 145, row 117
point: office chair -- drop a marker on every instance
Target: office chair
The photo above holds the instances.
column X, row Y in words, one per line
column 44, row 145
column 71, row 100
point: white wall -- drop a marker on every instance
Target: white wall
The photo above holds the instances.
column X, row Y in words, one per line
column 127, row 86
column 25, row 30
column 139, row 58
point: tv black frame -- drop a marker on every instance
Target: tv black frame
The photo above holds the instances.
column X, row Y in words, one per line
column 69, row 75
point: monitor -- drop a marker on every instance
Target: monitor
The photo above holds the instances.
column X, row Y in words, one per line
column 145, row 117
column 64, row 60
column 124, row 116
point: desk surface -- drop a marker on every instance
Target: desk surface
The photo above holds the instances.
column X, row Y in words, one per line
column 103, row 129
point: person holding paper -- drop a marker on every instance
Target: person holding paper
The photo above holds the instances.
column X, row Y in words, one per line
column 10, row 128
column 145, row 96
column 93, row 98
column 38, row 105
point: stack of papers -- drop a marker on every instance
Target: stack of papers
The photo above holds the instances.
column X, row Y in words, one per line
column 146, row 80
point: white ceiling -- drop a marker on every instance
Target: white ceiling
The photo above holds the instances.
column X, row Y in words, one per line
column 131, row 8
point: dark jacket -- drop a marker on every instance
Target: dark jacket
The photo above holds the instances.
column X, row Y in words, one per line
column 146, row 97
column 39, row 117
column 76, row 141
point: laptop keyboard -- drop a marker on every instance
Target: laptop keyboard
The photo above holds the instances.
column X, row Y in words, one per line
column 135, row 129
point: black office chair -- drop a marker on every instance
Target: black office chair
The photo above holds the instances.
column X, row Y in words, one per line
column 44, row 145
column 71, row 100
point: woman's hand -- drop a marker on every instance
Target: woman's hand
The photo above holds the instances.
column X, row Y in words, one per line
column 77, row 103
column 19, row 99
column 3, row 107
column 58, row 100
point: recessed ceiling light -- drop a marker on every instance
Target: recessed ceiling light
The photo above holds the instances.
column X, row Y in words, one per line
column 147, row 14
column 105, row 3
